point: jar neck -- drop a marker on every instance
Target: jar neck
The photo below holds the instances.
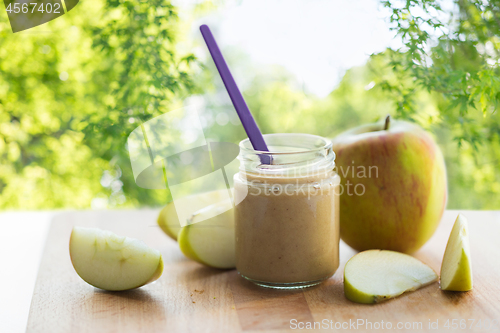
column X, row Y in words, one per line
column 301, row 156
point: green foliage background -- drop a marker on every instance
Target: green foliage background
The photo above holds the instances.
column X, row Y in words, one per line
column 70, row 97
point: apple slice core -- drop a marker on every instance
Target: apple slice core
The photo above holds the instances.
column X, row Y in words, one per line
column 111, row 262
column 374, row 276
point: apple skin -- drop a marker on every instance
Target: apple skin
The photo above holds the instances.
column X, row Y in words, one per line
column 402, row 207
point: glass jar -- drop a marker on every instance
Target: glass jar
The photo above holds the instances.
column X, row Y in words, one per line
column 287, row 212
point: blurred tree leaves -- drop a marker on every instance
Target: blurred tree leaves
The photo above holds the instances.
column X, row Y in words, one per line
column 454, row 55
column 71, row 92
column 147, row 77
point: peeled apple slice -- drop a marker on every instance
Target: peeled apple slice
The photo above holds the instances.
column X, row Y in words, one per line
column 111, row 262
column 212, row 241
column 456, row 269
column 374, row 276
column 168, row 219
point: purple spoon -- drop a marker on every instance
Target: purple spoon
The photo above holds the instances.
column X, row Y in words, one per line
column 249, row 124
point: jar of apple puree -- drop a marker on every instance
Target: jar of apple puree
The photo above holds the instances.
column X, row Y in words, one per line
column 287, row 212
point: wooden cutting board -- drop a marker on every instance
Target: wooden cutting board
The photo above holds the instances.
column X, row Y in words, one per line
column 190, row 297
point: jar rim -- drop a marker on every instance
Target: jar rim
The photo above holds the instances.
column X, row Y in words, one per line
column 327, row 144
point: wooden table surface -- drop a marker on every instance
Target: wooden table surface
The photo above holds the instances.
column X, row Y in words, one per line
column 190, row 297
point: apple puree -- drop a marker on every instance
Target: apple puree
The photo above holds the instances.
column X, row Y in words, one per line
column 287, row 238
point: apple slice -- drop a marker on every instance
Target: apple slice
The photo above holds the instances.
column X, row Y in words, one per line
column 168, row 219
column 212, row 241
column 456, row 269
column 111, row 262
column 374, row 276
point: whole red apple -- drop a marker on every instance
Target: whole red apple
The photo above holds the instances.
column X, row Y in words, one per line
column 394, row 187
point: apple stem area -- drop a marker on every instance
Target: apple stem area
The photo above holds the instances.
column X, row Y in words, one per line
column 387, row 122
